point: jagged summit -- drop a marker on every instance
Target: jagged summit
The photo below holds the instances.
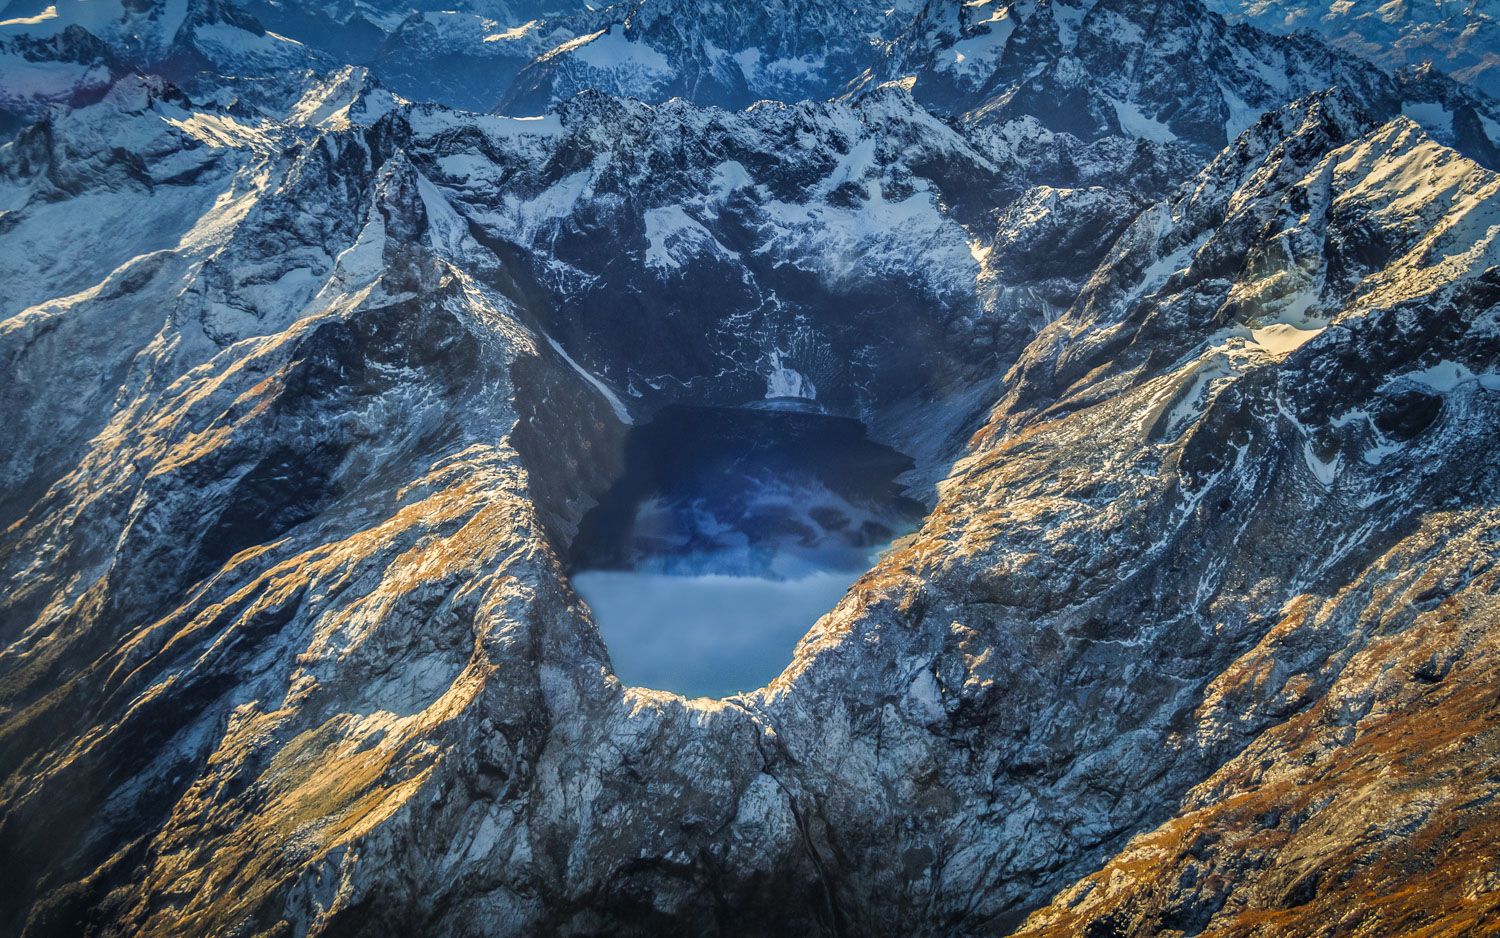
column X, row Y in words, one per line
column 73, row 50
column 1460, row 36
column 1169, row 72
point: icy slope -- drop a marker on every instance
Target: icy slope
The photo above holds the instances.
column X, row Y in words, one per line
column 1169, row 71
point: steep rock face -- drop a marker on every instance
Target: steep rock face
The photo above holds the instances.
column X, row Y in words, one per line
column 110, row 202
column 1292, row 447
column 1327, row 819
column 281, row 444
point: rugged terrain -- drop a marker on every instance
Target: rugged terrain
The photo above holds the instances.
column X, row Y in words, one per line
column 1461, row 37
column 1191, row 329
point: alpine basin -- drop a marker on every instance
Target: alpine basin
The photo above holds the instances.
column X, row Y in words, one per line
column 728, row 533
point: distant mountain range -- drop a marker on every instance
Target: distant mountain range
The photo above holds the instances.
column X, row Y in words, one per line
column 1460, row 37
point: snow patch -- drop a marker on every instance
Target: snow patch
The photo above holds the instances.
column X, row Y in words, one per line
column 514, row 33
column 1377, row 454
column 1194, row 399
column 1069, row 20
column 776, row 71
column 427, row 122
column 787, row 382
column 1165, row 267
column 1135, row 123
column 1241, row 115
column 1447, row 375
column 610, row 398
column 1282, row 339
column 729, row 177
column 675, row 237
column 364, row 261
column 526, row 217
column 447, row 230
column 974, row 59
column 1324, row 472
column 849, row 244
column 611, row 51
column 924, row 697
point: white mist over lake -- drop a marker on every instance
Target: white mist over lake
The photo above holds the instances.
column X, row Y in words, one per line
column 705, row 636
column 729, row 533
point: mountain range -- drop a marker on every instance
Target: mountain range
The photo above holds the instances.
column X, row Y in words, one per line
column 322, row 324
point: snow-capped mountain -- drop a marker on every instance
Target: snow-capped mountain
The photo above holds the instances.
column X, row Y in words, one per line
column 1462, row 37
column 67, row 67
column 850, row 242
column 730, row 54
column 1189, row 329
column 1163, row 71
column 1167, row 72
column 72, row 51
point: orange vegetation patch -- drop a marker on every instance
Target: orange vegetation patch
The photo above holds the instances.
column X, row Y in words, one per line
column 1390, row 826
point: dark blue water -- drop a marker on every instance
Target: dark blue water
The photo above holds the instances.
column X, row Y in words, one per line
column 728, row 534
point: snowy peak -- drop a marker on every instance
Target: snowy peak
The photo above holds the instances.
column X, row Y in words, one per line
column 77, row 47
column 1436, row 210
column 1315, row 215
column 145, row 33
column 1171, row 73
column 70, row 66
column 348, row 96
column 1459, row 36
column 727, row 54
